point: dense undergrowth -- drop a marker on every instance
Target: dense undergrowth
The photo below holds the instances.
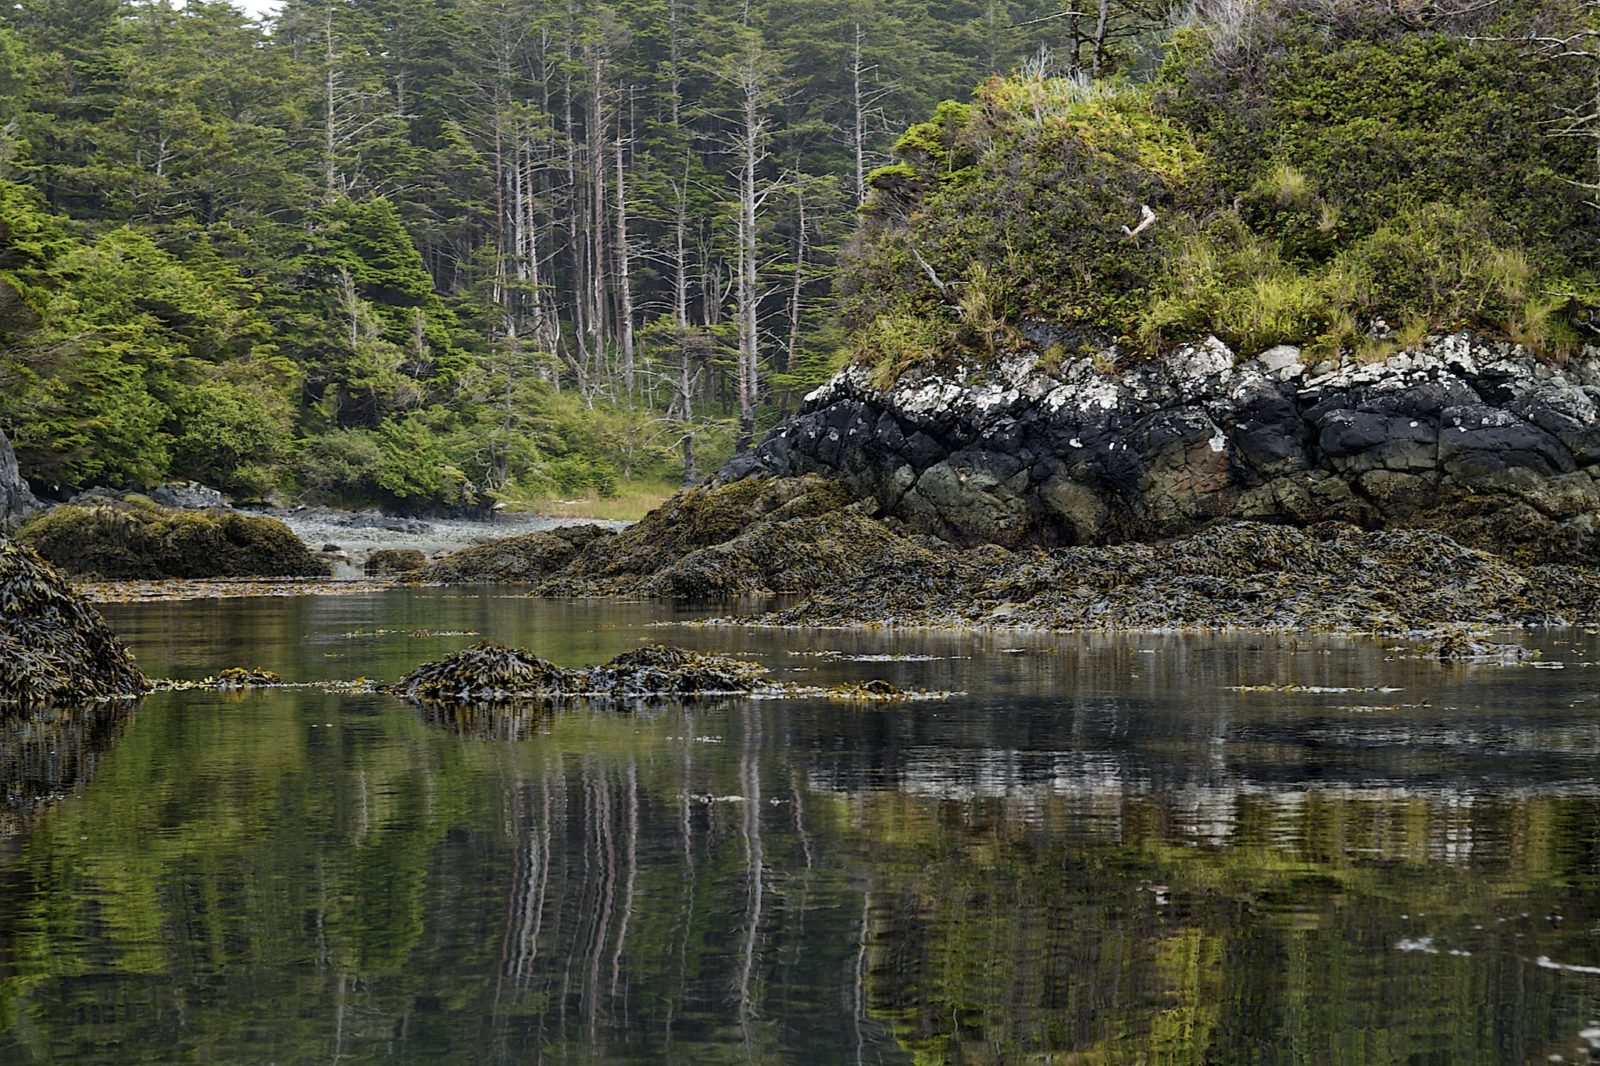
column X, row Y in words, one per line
column 1330, row 176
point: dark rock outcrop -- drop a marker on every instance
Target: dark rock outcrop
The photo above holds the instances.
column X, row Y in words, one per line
column 54, row 647
column 1474, row 438
column 17, row 502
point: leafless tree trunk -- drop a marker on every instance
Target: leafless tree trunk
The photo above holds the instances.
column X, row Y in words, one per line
column 624, row 269
column 797, row 290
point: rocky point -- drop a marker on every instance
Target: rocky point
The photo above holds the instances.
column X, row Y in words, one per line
column 1472, row 437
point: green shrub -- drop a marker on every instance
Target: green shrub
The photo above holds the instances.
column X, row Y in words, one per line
column 342, row 465
column 574, row 475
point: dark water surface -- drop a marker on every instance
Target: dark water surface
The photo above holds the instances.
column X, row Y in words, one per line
column 1104, row 853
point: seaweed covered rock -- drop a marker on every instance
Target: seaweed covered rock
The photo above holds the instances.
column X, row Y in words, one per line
column 847, row 566
column 492, row 673
column 54, row 647
column 529, row 558
column 241, row 677
column 752, row 536
column 132, row 540
column 1244, row 575
column 387, row 562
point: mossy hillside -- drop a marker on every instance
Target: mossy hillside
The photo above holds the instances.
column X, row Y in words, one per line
column 141, row 540
column 1335, row 182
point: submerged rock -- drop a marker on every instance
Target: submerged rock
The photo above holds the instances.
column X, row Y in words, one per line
column 493, row 673
column 133, row 540
column 54, row 647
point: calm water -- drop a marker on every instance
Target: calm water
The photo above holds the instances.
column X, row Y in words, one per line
column 1106, row 853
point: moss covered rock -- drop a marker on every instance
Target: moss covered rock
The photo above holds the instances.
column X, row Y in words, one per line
column 54, row 647
column 131, row 540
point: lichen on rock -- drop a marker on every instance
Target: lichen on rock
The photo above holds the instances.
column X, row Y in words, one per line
column 54, row 647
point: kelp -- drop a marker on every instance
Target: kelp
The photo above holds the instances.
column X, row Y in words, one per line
column 54, row 647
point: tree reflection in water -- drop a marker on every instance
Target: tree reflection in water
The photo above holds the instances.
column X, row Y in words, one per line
column 294, row 876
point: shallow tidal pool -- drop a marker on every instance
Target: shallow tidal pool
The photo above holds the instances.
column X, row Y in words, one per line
column 1102, row 849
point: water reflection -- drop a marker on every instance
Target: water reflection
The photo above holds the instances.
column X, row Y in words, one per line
column 47, row 753
column 1110, row 855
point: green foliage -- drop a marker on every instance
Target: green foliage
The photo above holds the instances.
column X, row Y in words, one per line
column 343, row 464
column 123, row 345
column 410, row 221
column 1434, row 268
column 1310, row 173
column 1033, row 220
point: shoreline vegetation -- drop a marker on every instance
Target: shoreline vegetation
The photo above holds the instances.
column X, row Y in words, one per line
column 1229, row 320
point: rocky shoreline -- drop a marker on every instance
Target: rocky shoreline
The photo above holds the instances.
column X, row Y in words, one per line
column 1456, row 485
column 803, row 552
column 1474, row 438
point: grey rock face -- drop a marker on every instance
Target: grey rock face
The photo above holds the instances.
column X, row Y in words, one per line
column 17, row 501
column 188, row 496
column 1079, row 455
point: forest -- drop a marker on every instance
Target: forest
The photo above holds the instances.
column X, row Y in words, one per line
column 436, row 254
